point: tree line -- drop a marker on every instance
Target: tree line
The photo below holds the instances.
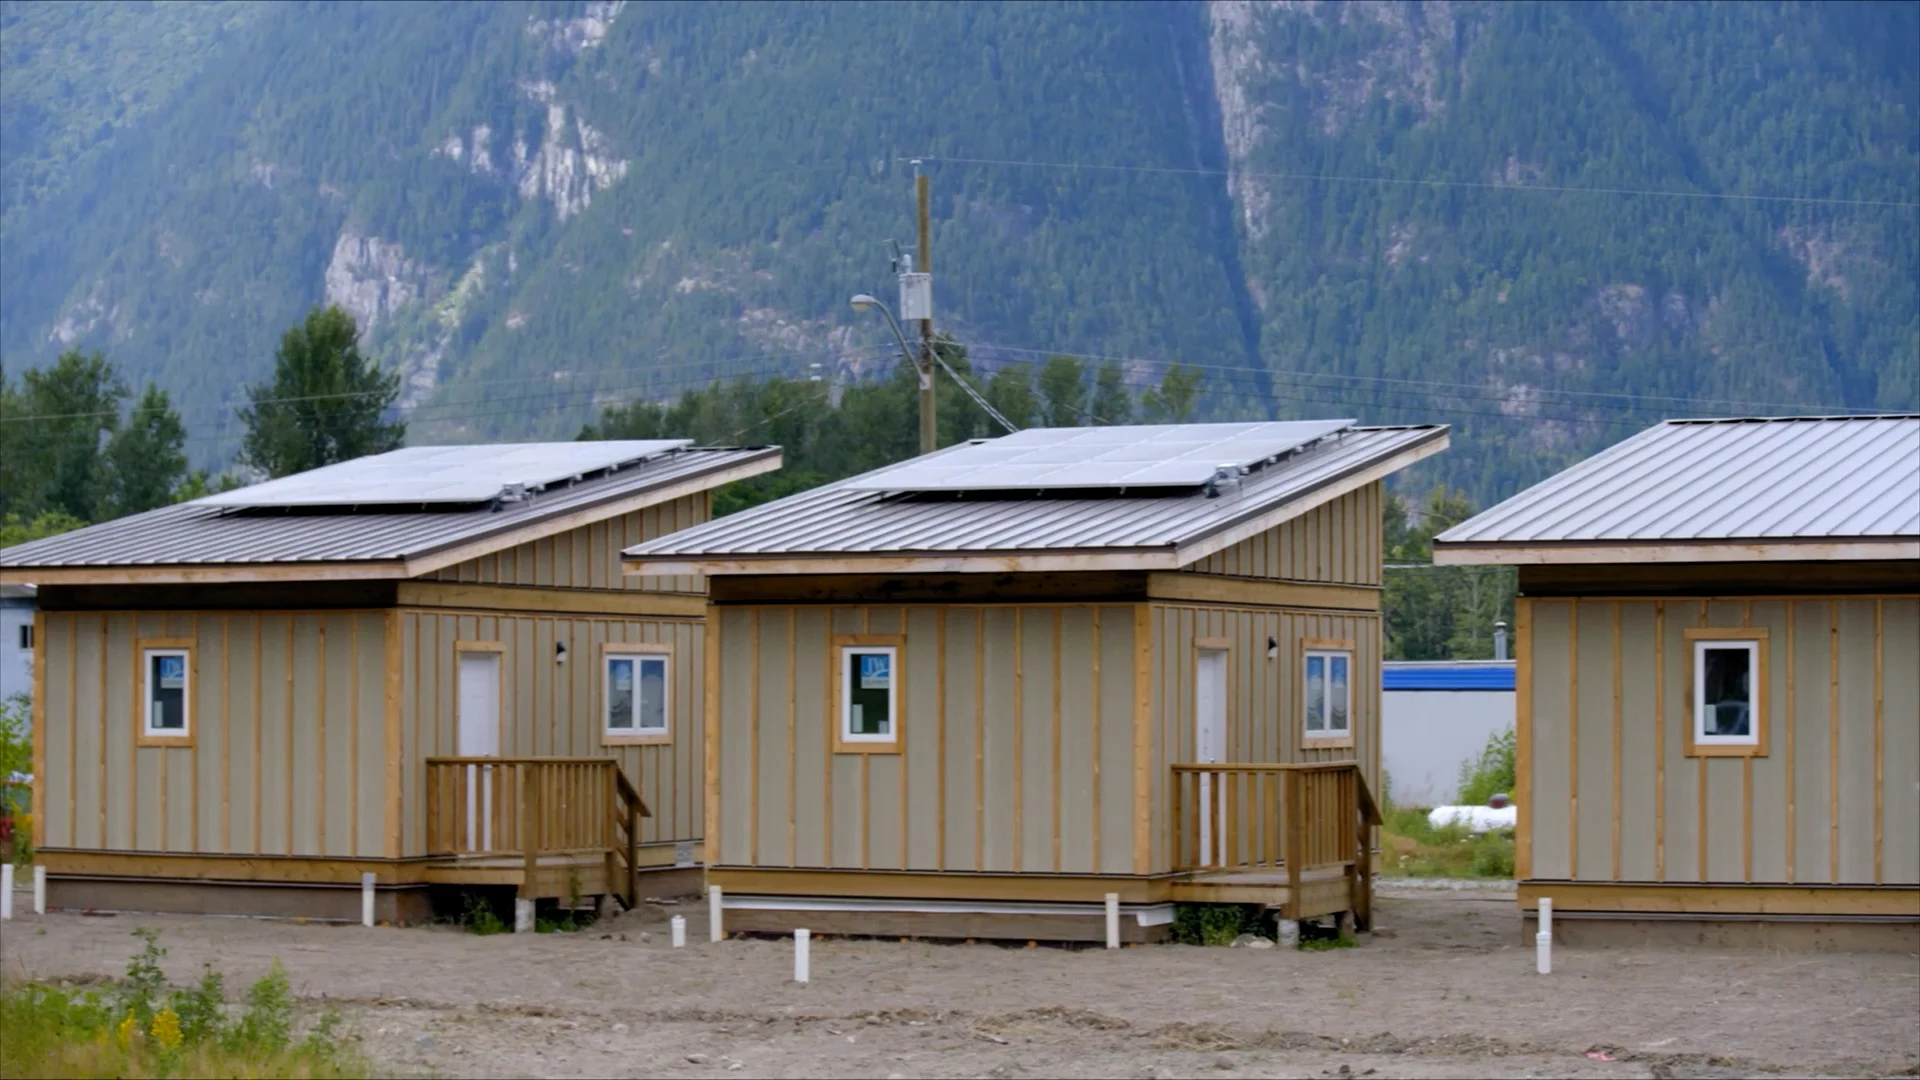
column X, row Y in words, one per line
column 73, row 451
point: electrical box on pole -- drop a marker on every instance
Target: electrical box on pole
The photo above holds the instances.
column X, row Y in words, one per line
column 916, row 296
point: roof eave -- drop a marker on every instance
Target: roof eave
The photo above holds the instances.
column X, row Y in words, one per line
column 931, row 562
column 1565, row 552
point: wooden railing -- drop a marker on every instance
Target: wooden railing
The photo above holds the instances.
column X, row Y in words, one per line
column 1292, row 818
column 485, row 807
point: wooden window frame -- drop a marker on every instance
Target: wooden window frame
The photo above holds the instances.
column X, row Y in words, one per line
column 1326, row 740
column 843, row 743
column 636, row 650
column 1756, row 745
column 143, row 650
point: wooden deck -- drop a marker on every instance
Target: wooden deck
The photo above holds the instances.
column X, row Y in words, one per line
column 553, row 828
column 1294, row 837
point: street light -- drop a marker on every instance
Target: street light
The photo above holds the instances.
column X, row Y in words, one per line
column 863, row 302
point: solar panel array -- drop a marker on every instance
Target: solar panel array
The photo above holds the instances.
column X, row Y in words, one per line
column 431, row 475
column 1137, row 456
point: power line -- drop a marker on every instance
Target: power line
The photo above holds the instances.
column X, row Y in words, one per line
column 1394, row 181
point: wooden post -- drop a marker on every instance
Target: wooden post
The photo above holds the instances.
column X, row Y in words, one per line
column 1296, row 812
column 1176, row 827
column 528, row 820
column 633, row 852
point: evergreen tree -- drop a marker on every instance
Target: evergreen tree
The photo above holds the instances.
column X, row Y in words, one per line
column 1173, row 401
column 146, row 460
column 1438, row 612
column 52, row 430
column 1063, row 392
column 1010, row 390
column 325, row 403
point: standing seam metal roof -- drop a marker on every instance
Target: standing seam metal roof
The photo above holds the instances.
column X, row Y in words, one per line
column 838, row 520
column 1796, row 478
column 197, row 534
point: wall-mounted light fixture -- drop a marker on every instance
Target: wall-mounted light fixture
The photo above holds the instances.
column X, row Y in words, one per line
column 559, row 652
column 1273, row 648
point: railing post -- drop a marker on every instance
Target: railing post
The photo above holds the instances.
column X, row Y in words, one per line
column 1292, row 790
column 633, row 852
column 528, row 823
column 610, row 823
column 1176, row 826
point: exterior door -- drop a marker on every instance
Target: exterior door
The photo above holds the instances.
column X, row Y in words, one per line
column 1210, row 745
column 479, row 736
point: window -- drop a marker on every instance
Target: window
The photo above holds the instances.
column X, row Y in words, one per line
column 869, row 696
column 26, row 636
column 1727, row 683
column 637, row 688
column 1328, row 683
column 166, row 693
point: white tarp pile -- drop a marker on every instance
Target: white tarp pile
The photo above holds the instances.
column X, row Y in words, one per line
column 1477, row 819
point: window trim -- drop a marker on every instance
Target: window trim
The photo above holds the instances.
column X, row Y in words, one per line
column 144, row 649
column 844, row 742
column 637, row 650
column 1328, row 740
column 1701, row 745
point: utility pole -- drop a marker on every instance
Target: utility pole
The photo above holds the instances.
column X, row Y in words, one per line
column 923, row 254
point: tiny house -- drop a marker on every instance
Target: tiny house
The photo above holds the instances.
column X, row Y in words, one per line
column 976, row 693
column 424, row 665
column 1717, row 699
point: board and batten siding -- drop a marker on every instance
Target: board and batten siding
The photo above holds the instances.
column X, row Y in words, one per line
column 550, row 708
column 1018, row 728
column 1338, row 542
column 1608, row 793
column 288, row 721
column 589, row 557
column 1266, row 698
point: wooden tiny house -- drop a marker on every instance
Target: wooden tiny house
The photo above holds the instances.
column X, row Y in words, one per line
column 959, row 710
column 399, row 665
column 1717, row 699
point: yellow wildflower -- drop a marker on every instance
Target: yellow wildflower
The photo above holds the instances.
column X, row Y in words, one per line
column 166, row 1028
column 126, row 1030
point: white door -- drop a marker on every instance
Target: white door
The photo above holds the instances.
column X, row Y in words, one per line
column 479, row 735
column 1210, row 745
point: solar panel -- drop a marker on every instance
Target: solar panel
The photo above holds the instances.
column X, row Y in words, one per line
column 1144, row 455
column 419, row 475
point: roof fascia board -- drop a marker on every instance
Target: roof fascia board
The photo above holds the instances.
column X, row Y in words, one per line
column 1195, row 550
column 1459, row 554
column 1009, row 563
column 176, row 574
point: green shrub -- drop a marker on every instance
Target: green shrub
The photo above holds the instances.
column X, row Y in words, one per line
column 1491, row 773
column 479, row 917
column 139, row 1027
column 1217, row 924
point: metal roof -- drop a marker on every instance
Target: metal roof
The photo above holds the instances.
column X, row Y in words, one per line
column 1785, row 479
column 200, row 534
column 1446, row 675
column 841, row 520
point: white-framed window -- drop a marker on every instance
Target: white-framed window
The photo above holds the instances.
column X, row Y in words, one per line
column 637, row 702
column 167, row 698
column 1726, row 706
column 869, row 686
column 1328, row 684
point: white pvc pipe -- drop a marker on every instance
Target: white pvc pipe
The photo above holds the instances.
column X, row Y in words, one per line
column 6, row 891
column 802, row 946
column 1543, row 941
column 1113, row 920
column 39, row 890
column 714, row 930
column 679, row 931
column 366, row 899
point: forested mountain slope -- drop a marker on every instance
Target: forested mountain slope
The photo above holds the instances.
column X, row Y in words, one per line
column 540, row 208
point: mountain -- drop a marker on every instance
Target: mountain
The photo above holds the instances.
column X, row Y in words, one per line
column 1547, row 224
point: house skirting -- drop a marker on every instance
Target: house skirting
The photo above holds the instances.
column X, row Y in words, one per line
column 1820, row 917
column 943, row 919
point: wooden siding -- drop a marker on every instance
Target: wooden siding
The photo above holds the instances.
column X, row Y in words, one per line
column 589, row 557
column 1266, row 702
column 1611, row 795
column 287, row 755
column 1017, row 729
column 550, row 708
column 1337, row 542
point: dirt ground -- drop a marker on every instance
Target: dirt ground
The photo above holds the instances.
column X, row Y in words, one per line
column 1444, row 990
